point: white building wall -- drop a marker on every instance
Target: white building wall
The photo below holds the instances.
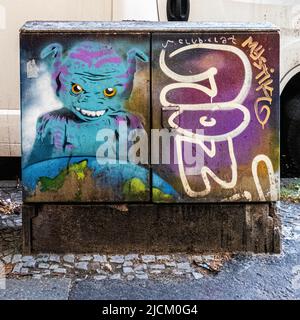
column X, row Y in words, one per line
column 13, row 14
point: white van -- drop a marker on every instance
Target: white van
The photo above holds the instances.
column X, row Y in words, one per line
column 283, row 13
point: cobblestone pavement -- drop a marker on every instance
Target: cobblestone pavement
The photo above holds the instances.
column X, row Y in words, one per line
column 95, row 266
column 186, row 276
column 99, row 266
column 10, row 220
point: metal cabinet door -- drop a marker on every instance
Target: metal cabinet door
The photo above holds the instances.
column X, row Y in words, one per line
column 218, row 97
column 85, row 96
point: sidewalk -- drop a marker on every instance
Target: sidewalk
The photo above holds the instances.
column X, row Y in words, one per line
column 144, row 276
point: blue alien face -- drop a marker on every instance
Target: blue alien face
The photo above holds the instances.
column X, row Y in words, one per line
column 92, row 80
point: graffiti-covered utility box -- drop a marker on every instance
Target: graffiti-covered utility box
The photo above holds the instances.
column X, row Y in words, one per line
column 133, row 113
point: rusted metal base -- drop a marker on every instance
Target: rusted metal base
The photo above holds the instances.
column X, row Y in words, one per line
column 189, row 228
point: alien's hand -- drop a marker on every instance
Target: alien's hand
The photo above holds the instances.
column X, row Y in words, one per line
column 51, row 129
column 58, row 136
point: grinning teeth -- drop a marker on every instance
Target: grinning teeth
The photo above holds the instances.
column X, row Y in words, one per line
column 100, row 113
column 91, row 113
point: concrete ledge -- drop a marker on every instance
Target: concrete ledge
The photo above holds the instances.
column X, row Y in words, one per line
column 199, row 228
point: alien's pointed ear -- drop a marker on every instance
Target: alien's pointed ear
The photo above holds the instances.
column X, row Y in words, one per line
column 132, row 55
column 52, row 53
column 139, row 54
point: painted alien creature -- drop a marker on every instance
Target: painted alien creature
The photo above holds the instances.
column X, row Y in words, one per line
column 93, row 83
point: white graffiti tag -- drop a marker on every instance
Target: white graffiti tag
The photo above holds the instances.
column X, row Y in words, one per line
column 208, row 142
column 273, row 185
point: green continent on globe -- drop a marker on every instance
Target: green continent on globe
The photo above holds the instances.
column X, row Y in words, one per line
column 54, row 184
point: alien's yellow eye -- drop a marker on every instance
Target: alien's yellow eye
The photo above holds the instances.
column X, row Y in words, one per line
column 76, row 88
column 110, row 92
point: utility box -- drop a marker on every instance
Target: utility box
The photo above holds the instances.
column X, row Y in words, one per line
column 150, row 136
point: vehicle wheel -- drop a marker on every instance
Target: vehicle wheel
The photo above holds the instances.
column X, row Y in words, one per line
column 292, row 113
